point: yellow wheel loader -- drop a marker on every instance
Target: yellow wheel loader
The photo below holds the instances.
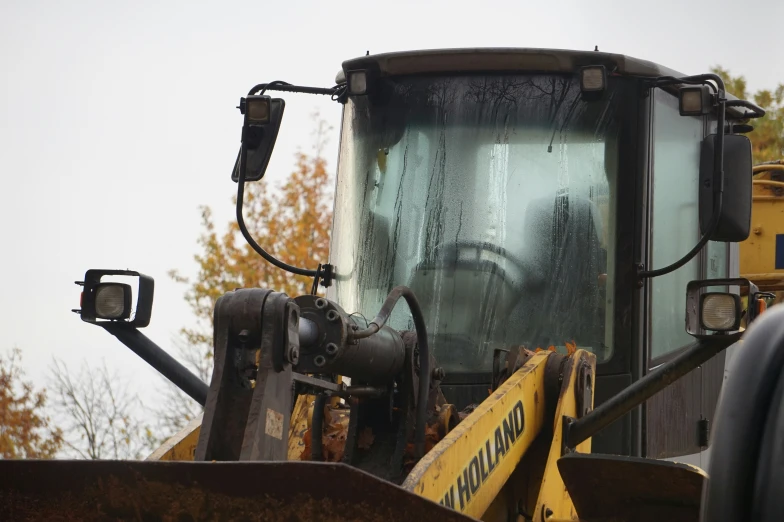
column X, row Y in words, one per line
column 762, row 254
column 519, row 238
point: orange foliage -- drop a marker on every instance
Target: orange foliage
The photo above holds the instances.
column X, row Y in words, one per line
column 24, row 429
column 571, row 347
column 334, row 434
column 432, row 437
column 335, row 442
column 767, row 139
column 291, row 222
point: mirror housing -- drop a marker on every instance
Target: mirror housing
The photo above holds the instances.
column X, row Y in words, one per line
column 258, row 139
column 735, row 220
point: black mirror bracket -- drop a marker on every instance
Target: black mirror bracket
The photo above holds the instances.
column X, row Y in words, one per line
column 250, row 141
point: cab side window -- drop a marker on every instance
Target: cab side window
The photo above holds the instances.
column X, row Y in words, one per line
column 675, row 225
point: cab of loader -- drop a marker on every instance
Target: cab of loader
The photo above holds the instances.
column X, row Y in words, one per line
column 532, row 198
column 549, row 200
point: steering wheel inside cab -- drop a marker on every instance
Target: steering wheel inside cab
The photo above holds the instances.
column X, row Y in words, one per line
column 466, row 289
column 476, row 258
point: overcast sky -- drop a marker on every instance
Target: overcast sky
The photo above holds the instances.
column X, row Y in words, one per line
column 118, row 120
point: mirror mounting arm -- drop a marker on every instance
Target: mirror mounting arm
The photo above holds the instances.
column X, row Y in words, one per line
column 336, row 93
column 322, row 273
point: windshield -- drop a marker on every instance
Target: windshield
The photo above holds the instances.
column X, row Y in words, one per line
column 492, row 198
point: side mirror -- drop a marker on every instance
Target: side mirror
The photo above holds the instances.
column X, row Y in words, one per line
column 258, row 135
column 735, row 219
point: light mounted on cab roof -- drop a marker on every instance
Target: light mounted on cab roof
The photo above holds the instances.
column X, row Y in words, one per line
column 694, row 100
column 593, row 78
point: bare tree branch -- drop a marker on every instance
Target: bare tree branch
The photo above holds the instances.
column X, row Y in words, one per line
column 100, row 417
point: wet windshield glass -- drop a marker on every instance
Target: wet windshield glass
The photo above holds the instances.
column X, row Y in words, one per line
column 492, row 198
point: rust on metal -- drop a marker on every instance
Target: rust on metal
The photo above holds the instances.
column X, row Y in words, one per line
column 62, row 490
column 333, row 437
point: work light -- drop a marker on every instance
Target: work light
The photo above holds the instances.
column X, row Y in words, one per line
column 720, row 312
column 711, row 312
column 694, row 100
column 357, row 82
column 257, row 110
column 593, row 78
column 112, row 301
column 104, row 302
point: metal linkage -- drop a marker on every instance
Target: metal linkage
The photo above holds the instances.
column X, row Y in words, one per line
column 697, row 353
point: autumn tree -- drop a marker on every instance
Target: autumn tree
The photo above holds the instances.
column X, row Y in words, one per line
column 767, row 140
column 25, row 430
column 100, row 416
column 291, row 222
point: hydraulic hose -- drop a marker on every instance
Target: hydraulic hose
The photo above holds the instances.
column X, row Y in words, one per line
column 424, row 354
column 317, row 429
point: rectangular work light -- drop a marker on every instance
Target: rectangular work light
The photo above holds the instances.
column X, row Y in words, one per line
column 357, row 82
column 103, row 302
column 593, row 78
column 257, row 110
column 694, row 100
column 720, row 312
column 714, row 311
column 112, row 301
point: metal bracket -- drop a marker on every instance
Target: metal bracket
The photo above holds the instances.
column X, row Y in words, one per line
column 566, row 424
column 246, row 416
column 515, row 359
column 267, row 429
column 584, row 389
column 703, row 432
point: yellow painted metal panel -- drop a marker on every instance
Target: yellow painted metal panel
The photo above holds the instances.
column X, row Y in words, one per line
column 467, row 469
column 760, row 261
column 553, row 496
column 181, row 446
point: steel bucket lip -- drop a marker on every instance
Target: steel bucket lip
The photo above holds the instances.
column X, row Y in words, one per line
column 180, row 490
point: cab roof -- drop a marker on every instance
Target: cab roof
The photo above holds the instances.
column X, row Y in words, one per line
column 507, row 59
column 500, row 60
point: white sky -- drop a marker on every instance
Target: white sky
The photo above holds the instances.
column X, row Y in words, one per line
column 117, row 121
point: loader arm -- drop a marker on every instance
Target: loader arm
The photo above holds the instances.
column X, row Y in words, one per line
column 469, row 469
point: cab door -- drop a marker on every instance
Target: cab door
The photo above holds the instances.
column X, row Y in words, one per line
column 676, row 421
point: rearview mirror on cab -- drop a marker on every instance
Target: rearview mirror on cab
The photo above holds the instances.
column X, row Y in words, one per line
column 735, row 220
column 263, row 116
